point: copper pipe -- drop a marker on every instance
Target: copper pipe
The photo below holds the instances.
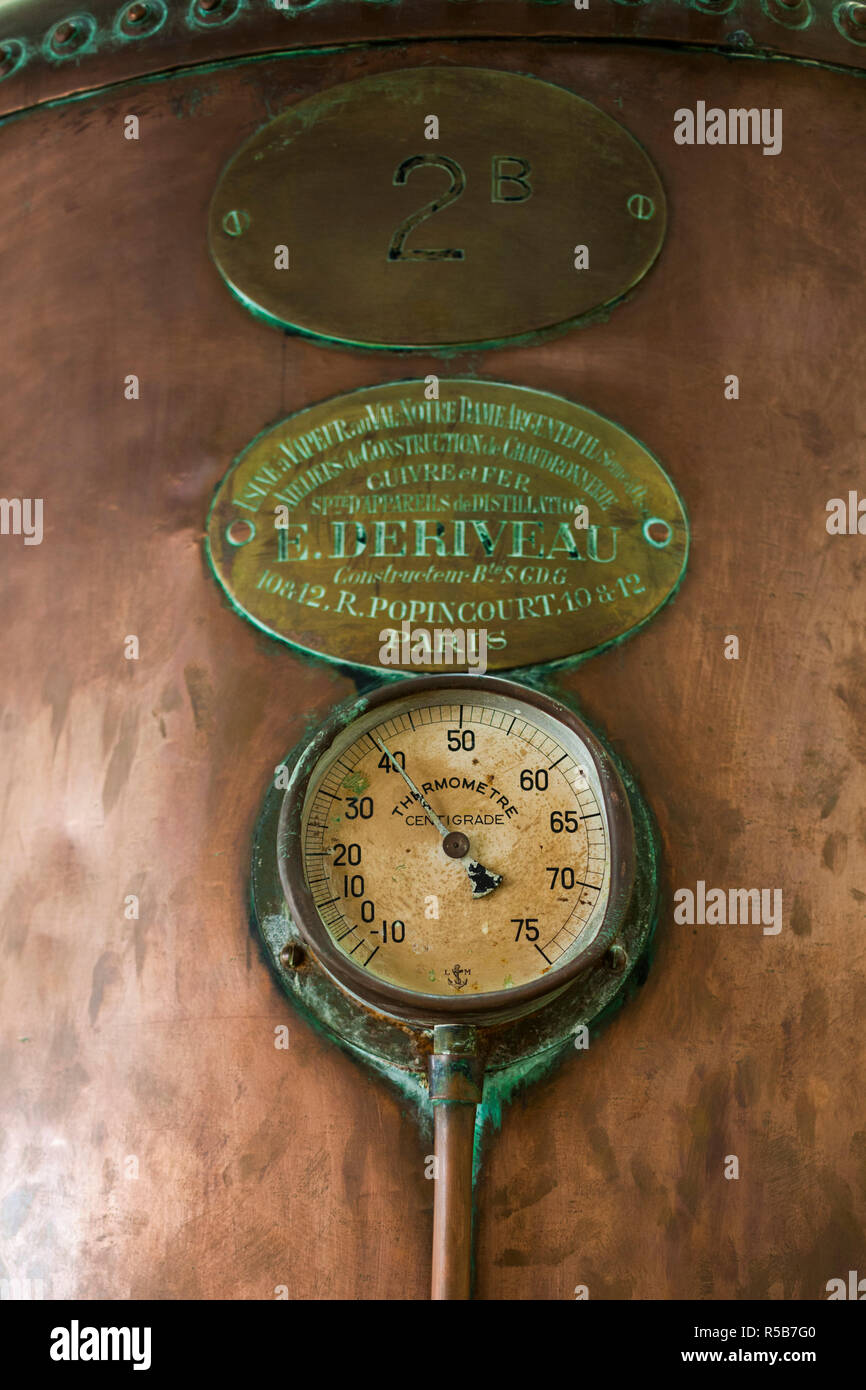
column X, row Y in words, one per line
column 454, row 1128
column 456, row 1081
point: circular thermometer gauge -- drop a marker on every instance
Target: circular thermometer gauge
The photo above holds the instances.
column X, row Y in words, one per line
column 462, row 848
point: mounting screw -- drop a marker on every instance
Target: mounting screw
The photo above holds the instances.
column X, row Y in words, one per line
column 236, row 222
column 292, row 955
column 616, row 958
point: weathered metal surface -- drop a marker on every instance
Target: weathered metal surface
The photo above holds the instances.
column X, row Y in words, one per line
column 154, row 1037
column 382, row 508
column 504, row 726
column 376, row 214
column 51, row 49
column 399, row 1050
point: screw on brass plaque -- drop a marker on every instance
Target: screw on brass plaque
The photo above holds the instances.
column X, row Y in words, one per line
column 394, row 240
column 236, row 222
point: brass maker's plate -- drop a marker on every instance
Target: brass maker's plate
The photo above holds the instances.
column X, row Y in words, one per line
column 494, row 508
column 340, row 218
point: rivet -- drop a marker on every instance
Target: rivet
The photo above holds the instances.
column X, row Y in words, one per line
column 240, row 531
column 70, row 35
column 658, row 531
column 210, row 12
column 140, row 19
column 794, row 14
column 850, row 20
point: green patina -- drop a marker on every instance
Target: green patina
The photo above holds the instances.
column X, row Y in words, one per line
column 114, row 39
column 396, row 1054
column 325, row 1006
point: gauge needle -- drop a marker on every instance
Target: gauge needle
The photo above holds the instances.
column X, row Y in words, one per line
column 482, row 880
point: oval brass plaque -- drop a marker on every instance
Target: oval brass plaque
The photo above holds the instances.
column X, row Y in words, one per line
column 531, row 209
column 355, row 527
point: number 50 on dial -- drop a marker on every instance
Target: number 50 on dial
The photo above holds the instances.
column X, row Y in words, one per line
column 457, row 849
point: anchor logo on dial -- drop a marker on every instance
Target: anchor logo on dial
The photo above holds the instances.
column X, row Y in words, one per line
column 457, row 976
column 455, row 842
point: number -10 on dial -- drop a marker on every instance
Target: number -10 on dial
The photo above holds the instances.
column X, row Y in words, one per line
column 469, row 843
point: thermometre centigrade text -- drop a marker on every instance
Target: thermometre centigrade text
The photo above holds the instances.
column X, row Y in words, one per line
column 456, row 843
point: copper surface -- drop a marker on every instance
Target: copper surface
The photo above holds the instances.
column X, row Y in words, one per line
column 153, row 1039
column 454, row 1134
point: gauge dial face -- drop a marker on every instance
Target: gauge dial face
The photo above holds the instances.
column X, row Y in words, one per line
column 456, row 842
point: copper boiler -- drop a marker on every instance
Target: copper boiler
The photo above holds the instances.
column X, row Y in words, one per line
column 157, row 1145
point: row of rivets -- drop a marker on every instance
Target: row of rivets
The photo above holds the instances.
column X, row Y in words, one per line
column 143, row 17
